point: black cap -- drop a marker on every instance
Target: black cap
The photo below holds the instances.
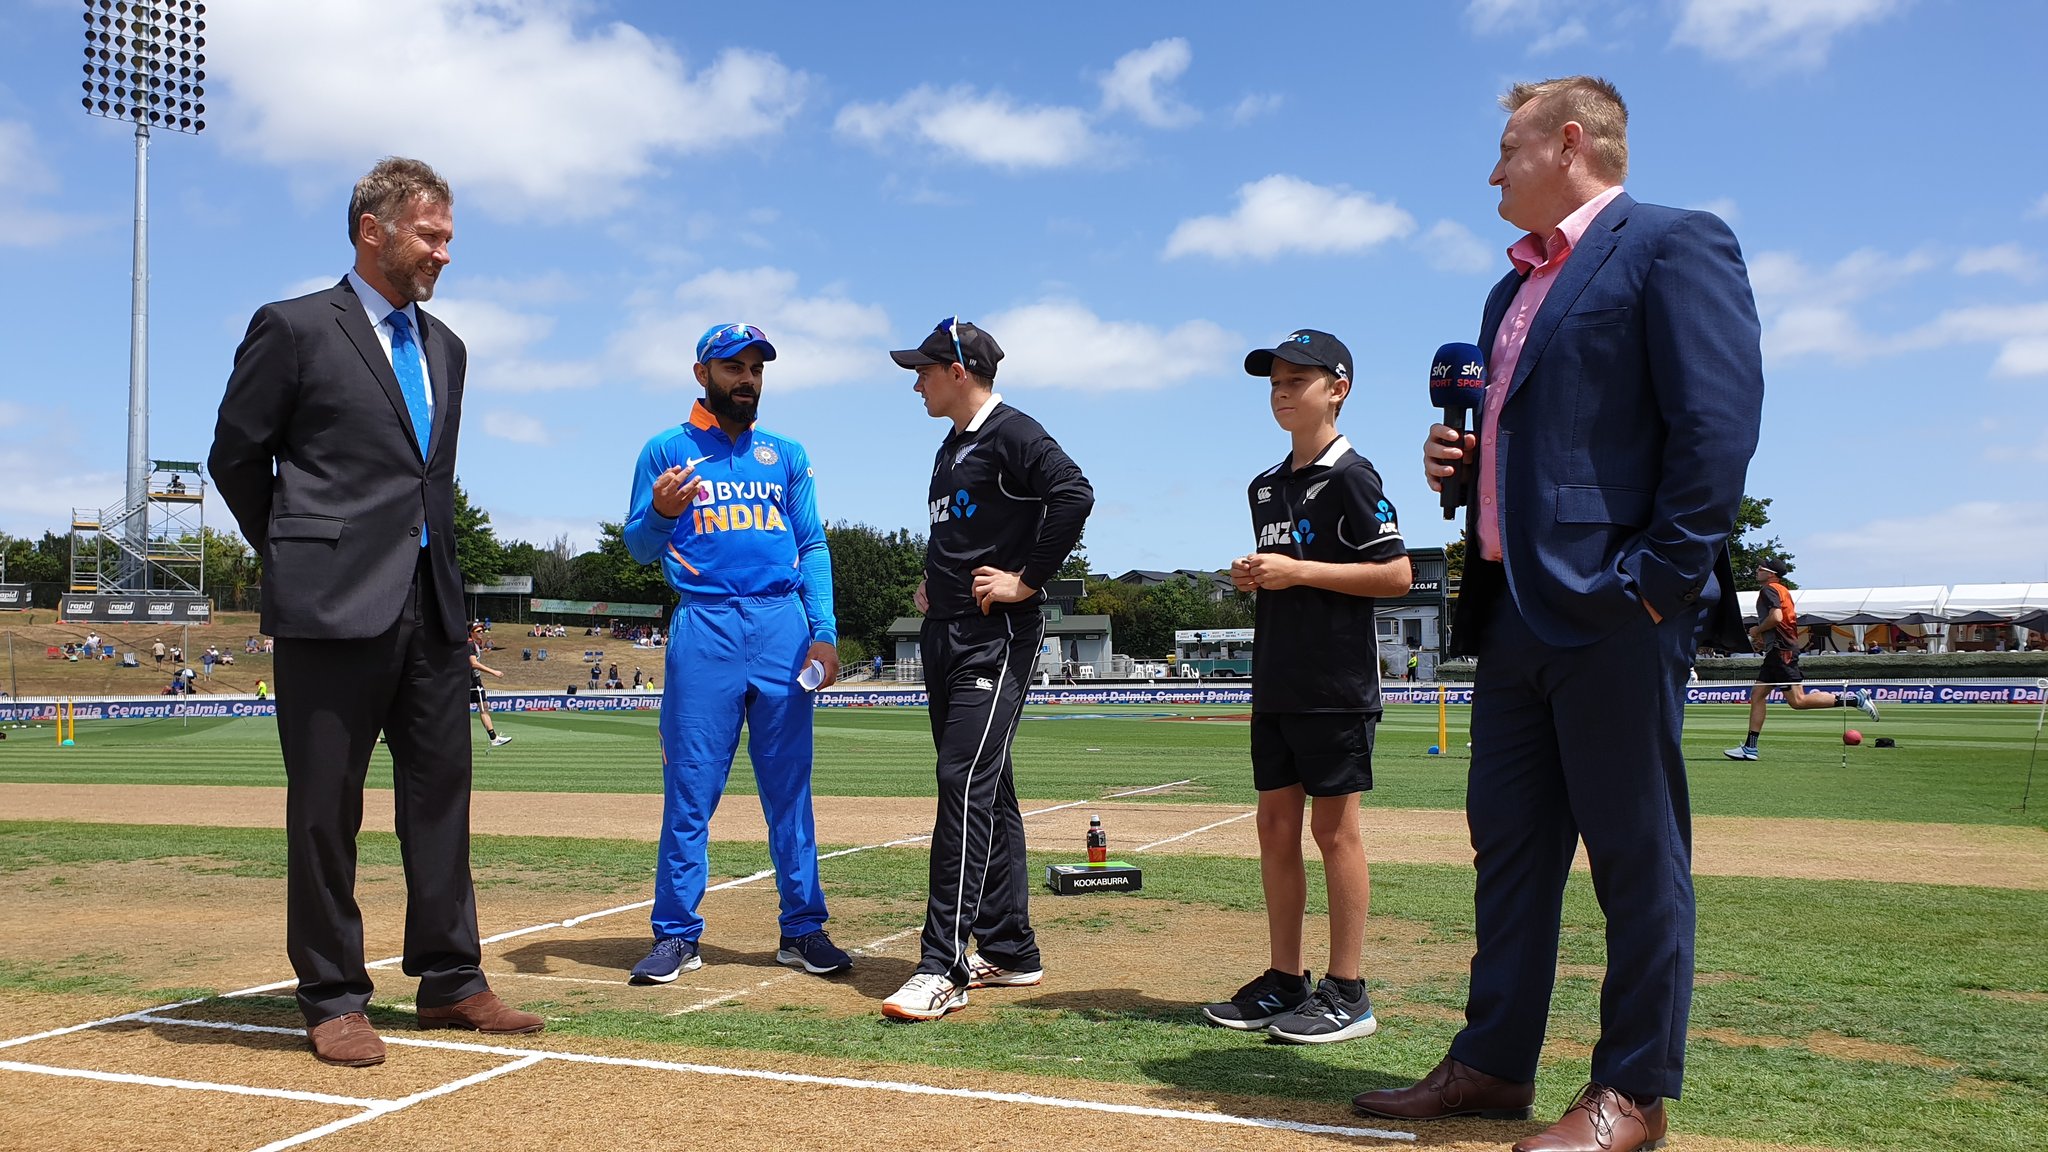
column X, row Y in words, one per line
column 1303, row 346
column 979, row 348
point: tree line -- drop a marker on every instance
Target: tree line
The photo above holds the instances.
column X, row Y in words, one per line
column 874, row 575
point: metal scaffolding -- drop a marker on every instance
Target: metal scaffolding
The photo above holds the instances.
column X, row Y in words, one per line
column 155, row 544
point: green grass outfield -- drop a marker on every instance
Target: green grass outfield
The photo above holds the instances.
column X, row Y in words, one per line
column 1954, row 763
column 1955, row 975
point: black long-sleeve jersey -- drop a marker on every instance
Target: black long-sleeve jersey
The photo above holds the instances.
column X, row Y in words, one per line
column 1005, row 495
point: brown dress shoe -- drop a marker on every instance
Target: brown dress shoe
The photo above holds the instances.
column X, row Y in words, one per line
column 1451, row 1089
column 347, row 1040
column 1602, row 1120
column 483, row 1012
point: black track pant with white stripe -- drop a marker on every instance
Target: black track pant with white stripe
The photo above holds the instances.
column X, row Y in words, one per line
column 976, row 671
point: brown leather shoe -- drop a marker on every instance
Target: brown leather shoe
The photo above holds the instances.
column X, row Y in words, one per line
column 1601, row 1120
column 1451, row 1089
column 347, row 1040
column 483, row 1012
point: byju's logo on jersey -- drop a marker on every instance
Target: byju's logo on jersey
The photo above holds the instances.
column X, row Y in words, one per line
column 961, row 505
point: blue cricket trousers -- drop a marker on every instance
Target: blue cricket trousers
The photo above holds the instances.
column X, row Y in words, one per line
column 734, row 659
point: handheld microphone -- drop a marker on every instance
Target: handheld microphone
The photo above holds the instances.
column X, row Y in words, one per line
column 1457, row 384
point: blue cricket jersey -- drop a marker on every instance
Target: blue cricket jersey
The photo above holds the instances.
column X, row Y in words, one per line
column 754, row 528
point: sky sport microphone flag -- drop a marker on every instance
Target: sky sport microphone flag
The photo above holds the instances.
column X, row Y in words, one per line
column 1457, row 384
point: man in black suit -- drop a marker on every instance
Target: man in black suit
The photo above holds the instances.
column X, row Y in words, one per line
column 335, row 450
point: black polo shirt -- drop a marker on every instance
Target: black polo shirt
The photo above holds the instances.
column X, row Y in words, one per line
column 1318, row 650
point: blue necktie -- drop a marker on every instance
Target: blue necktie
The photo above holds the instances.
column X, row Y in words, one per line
column 412, row 381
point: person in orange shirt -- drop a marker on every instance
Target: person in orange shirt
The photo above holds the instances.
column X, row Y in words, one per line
column 1776, row 635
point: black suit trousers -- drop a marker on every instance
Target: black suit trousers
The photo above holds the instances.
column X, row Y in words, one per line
column 1572, row 744
column 333, row 697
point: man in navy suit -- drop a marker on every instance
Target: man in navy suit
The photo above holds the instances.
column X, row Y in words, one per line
column 335, row 450
column 1624, row 392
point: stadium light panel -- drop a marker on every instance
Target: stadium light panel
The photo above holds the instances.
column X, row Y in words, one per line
column 145, row 63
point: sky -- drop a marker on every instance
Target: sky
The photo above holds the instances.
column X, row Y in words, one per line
column 1128, row 196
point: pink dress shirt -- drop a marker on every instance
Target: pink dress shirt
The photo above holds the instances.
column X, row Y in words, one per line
column 1539, row 260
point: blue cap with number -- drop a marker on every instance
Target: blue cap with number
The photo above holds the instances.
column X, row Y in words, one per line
column 726, row 340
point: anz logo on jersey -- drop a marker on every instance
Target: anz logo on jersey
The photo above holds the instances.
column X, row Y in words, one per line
column 1283, row 532
column 738, row 506
column 959, row 506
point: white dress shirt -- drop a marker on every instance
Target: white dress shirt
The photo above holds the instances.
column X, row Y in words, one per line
column 380, row 311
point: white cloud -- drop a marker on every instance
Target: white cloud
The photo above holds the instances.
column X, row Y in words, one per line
column 40, row 484
column 2006, row 259
column 23, row 177
column 507, row 98
column 1494, row 15
column 1808, row 312
column 1282, row 214
column 517, row 427
column 1984, row 539
column 1135, row 84
column 498, row 339
column 988, row 129
column 1722, row 206
column 2020, row 331
column 1784, row 31
column 820, row 339
column 1063, row 344
column 1451, row 247
column 542, row 530
column 1564, row 35
column 1255, row 105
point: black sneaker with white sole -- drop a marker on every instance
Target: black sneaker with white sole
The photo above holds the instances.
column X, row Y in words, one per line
column 1327, row 1017
column 815, row 953
column 1266, row 999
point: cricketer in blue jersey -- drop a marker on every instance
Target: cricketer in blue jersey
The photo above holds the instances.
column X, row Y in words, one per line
column 730, row 513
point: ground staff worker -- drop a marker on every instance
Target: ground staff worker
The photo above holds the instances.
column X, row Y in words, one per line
column 730, row 513
column 1006, row 506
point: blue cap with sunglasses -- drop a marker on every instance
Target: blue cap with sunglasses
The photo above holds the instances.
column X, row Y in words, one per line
column 954, row 341
column 726, row 340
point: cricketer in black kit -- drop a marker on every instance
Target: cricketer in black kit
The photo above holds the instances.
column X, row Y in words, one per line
column 1007, row 506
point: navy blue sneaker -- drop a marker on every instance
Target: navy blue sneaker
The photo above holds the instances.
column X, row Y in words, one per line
column 671, row 957
column 814, row 953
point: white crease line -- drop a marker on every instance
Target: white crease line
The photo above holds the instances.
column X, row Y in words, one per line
column 864, row 950
column 122, row 1018
column 387, row 1107
column 1196, row 831
column 896, row 1086
column 193, row 1085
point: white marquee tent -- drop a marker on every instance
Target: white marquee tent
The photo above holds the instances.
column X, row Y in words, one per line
column 2023, row 604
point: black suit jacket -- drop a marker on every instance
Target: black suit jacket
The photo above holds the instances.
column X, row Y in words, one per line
column 314, row 453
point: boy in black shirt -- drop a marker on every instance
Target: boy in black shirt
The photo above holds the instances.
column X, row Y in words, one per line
column 1007, row 506
column 1328, row 542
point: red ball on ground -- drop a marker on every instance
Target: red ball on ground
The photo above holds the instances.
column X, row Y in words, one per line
column 1852, row 737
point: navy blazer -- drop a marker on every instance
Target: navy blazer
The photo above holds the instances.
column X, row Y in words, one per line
column 314, row 453
column 1627, row 429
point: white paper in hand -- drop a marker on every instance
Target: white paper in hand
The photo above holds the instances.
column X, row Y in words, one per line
column 812, row 676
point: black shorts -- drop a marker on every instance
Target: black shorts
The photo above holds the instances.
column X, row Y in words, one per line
column 476, row 691
column 1326, row 753
column 1781, row 666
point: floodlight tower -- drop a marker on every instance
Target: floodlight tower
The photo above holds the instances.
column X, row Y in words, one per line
column 144, row 64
